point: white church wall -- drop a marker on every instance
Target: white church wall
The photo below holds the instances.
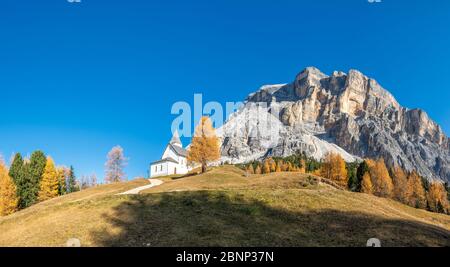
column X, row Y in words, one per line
column 159, row 169
column 180, row 169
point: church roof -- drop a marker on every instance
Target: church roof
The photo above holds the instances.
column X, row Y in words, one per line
column 179, row 150
column 176, row 139
column 169, row 159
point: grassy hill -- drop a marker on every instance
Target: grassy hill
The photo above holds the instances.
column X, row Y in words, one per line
column 224, row 208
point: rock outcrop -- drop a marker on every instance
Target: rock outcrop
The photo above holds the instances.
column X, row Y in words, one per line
column 349, row 114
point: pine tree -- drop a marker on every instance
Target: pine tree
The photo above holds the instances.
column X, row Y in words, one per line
column 353, row 183
column 416, row 192
column 8, row 192
column 381, row 180
column 366, row 184
column 72, row 181
column 15, row 171
column 205, row 144
column 50, row 182
column 31, row 178
column 363, row 168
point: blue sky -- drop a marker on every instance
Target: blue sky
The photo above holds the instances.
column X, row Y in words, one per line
column 78, row 78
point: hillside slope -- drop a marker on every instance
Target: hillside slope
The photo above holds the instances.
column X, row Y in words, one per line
column 224, row 208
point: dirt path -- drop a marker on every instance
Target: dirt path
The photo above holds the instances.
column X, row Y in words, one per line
column 135, row 191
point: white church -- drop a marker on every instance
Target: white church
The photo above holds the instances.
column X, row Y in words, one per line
column 173, row 160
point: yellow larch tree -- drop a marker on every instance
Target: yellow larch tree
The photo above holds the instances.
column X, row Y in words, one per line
column 50, row 181
column 400, row 181
column 273, row 165
column 290, row 167
column 8, row 192
column 63, row 173
column 205, row 144
column 416, row 195
column 284, row 167
column 326, row 170
column 381, row 180
column 334, row 168
column 266, row 167
column 278, row 168
column 318, row 172
column 437, row 198
column 366, row 184
column 258, row 169
column 341, row 175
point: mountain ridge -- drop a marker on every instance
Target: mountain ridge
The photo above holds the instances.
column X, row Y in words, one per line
column 317, row 112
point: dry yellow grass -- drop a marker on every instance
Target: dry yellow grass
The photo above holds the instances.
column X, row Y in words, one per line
column 52, row 222
column 224, row 208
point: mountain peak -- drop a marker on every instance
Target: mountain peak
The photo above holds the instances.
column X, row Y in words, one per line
column 348, row 113
column 311, row 73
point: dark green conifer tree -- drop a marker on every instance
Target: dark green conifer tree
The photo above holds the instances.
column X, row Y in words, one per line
column 30, row 179
column 72, row 182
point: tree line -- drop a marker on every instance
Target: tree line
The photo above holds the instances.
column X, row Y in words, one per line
column 368, row 176
column 35, row 179
column 295, row 163
column 32, row 180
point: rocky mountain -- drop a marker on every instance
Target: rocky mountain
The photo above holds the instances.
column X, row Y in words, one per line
column 350, row 114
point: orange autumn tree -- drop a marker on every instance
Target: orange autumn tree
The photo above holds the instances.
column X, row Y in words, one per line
column 49, row 182
column 278, row 167
column 366, row 184
column 8, row 192
column 205, row 144
column 258, row 169
column 381, row 180
column 290, row 167
column 333, row 168
column 284, row 167
column 400, row 181
column 416, row 192
column 273, row 165
column 266, row 167
column 437, row 198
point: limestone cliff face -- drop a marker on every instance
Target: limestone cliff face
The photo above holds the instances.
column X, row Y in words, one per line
column 346, row 113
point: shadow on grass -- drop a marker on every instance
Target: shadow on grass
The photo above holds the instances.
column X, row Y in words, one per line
column 229, row 219
column 185, row 176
